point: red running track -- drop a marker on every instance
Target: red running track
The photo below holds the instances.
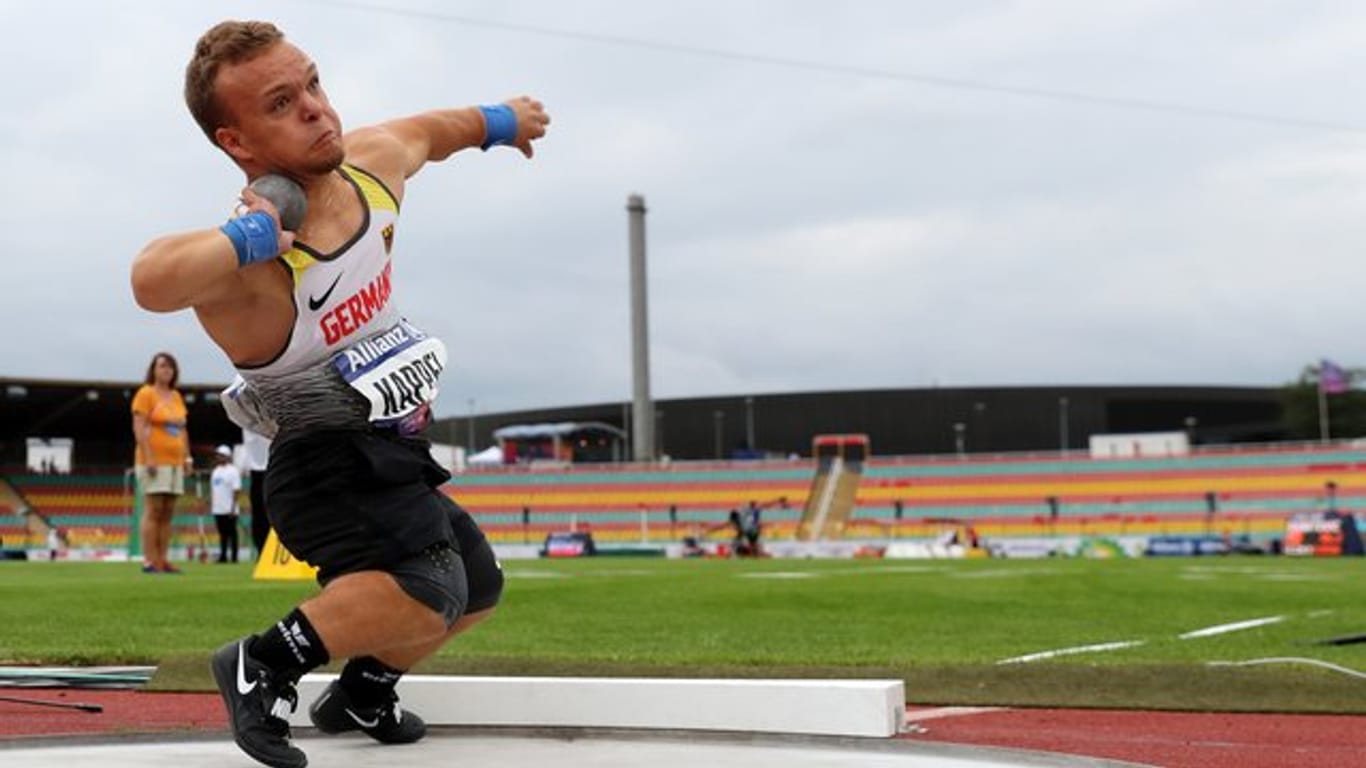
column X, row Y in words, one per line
column 1170, row 739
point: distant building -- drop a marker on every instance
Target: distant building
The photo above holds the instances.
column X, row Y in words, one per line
column 566, row 442
column 921, row 421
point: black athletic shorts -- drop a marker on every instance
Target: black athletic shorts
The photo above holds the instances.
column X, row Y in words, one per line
column 348, row 501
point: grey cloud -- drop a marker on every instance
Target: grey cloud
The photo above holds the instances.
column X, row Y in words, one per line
column 808, row 229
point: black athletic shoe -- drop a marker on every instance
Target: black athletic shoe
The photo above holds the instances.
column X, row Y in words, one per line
column 258, row 702
column 333, row 712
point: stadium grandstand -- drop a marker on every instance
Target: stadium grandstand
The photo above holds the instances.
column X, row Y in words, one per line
column 1001, row 464
column 1222, row 492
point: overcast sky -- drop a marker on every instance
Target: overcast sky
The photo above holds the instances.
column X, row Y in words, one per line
column 849, row 224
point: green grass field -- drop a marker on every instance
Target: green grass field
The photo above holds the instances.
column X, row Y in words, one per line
column 942, row 626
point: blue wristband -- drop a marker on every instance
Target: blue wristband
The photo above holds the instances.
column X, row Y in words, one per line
column 254, row 237
column 500, row 125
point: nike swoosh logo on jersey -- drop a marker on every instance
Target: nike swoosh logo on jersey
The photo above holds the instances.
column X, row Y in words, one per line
column 362, row 722
column 316, row 304
column 243, row 687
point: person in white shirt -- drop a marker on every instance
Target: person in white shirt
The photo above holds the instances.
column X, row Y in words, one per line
column 226, row 484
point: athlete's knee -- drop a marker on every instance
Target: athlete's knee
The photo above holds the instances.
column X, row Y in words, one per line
column 435, row 577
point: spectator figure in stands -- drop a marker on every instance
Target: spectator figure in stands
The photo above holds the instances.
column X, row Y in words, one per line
column 162, row 457
column 256, row 448
column 737, row 540
column 745, row 529
column 54, row 543
column 692, row 547
column 1330, row 496
column 226, row 485
column 750, row 529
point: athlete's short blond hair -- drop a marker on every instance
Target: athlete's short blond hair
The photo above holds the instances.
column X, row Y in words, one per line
column 228, row 42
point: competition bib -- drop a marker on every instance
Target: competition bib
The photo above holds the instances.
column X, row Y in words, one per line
column 397, row 372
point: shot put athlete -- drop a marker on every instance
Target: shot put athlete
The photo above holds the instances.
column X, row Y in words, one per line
column 340, row 380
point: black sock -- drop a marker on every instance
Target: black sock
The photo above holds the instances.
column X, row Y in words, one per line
column 291, row 646
column 368, row 680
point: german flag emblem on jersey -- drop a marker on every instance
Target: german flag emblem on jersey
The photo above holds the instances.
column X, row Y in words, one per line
column 388, row 234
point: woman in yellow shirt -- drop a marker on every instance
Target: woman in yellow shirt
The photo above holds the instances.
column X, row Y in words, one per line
column 162, row 457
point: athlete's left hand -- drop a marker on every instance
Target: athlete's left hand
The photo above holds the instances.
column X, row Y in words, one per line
column 531, row 122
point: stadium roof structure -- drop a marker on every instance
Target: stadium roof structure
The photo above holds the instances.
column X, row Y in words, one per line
column 561, row 429
column 96, row 415
column 910, row 421
column 899, row 422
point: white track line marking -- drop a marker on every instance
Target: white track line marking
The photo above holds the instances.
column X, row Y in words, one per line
column 1288, row 660
column 1069, row 651
column 780, row 575
column 1004, row 573
column 1224, row 570
column 886, row 569
column 1220, row 629
column 940, row 712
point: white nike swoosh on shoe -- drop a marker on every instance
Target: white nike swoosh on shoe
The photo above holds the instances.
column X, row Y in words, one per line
column 362, row 722
column 243, row 687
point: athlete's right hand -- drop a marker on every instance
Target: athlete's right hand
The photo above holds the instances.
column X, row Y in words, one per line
column 151, row 471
